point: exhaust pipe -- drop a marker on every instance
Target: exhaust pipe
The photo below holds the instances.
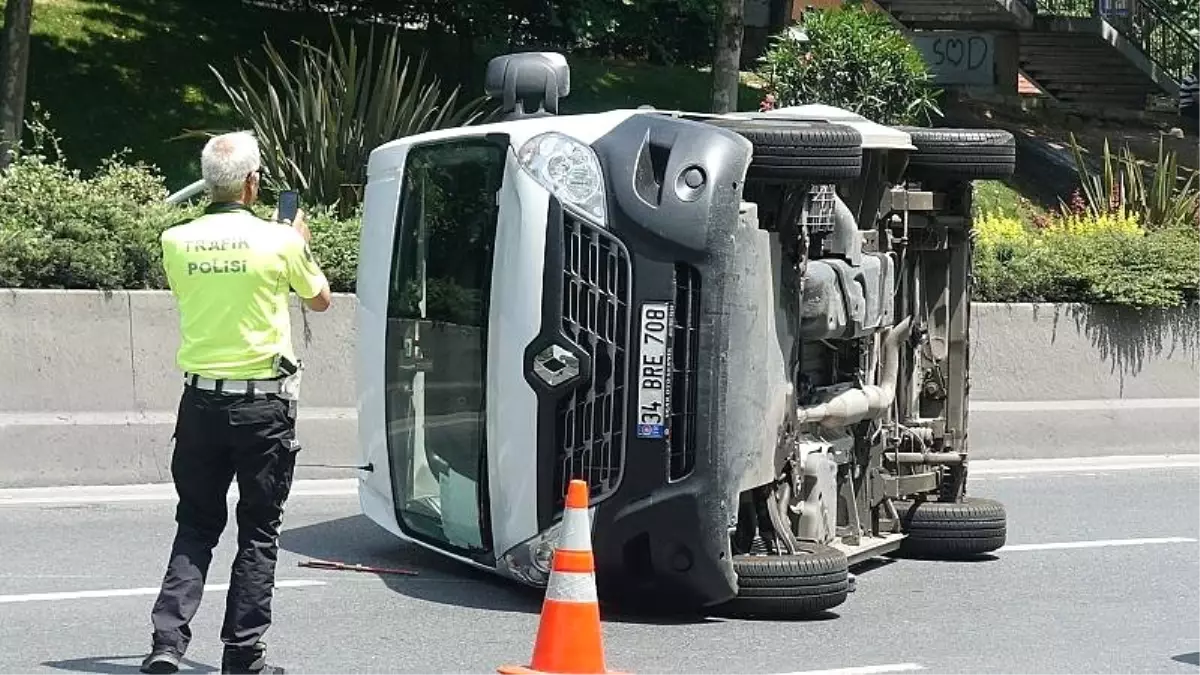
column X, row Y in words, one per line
column 868, row 402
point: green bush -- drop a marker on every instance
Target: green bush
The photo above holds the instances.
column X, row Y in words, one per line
column 1123, row 239
column 62, row 229
column 853, row 59
column 1076, row 257
column 335, row 246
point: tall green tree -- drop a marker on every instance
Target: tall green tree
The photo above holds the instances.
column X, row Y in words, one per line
column 14, row 64
column 728, row 55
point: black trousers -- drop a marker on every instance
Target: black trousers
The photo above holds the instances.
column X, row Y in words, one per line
column 219, row 437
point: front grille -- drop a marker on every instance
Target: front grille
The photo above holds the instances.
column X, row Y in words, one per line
column 682, row 457
column 590, row 433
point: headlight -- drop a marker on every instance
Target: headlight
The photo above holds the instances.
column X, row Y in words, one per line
column 529, row 561
column 569, row 170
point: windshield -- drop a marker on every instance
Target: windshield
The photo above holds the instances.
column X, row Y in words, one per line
column 437, row 340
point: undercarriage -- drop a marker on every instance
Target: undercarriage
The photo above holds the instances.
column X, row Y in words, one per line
column 873, row 457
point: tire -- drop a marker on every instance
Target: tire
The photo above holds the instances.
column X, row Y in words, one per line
column 952, row 530
column 789, row 151
column 964, row 154
column 793, row 586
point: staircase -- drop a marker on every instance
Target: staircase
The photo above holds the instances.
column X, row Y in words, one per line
column 1082, row 68
column 1111, row 53
column 1106, row 52
column 959, row 15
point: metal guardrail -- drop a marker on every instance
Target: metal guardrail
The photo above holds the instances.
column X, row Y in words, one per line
column 1161, row 38
column 186, row 193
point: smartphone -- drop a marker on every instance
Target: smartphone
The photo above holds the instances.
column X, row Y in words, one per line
column 289, row 204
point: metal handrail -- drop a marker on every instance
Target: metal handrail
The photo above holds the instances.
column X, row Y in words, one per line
column 1144, row 22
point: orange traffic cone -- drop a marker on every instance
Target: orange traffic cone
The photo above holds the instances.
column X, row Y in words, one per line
column 569, row 639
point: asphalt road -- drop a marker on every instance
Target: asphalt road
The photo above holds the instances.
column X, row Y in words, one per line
column 1124, row 601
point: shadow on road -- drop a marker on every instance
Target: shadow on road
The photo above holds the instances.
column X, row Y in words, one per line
column 120, row 665
column 872, row 564
column 963, row 560
column 357, row 540
column 1192, row 659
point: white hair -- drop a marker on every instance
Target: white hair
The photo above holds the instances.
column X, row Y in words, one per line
column 226, row 161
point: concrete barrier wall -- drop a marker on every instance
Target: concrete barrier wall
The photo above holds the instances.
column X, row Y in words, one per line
column 88, row 386
column 1077, row 380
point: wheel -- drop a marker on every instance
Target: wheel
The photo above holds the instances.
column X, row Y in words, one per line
column 796, row 586
column 952, row 530
column 794, row 151
column 965, row 154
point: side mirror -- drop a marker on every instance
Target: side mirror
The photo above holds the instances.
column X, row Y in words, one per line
column 529, row 84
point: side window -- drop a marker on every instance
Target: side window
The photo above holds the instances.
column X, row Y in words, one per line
column 437, row 338
column 442, row 262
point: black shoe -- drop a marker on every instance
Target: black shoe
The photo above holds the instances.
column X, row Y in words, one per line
column 251, row 661
column 162, row 659
column 255, row 670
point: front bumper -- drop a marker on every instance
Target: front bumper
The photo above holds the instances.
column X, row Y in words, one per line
column 664, row 506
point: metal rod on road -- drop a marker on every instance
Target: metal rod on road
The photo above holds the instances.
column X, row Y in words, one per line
column 327, row 565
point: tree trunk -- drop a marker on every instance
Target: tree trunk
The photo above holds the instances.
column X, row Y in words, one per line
column 728, row 56
column 14, row 63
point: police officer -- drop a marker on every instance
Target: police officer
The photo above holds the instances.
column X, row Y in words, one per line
column 230, row 273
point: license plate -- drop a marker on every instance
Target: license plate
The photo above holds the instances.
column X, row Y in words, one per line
column 654, row 371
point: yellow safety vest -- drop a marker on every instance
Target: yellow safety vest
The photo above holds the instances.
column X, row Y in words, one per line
column 230, row 272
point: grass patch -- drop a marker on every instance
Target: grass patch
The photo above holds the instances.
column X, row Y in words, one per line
column 997, row 198
column 604, row 84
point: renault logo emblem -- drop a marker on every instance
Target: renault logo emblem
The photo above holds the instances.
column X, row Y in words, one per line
column 555, row 365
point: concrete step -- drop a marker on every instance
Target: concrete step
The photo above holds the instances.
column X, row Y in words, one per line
column 1048, row 65
column 936, row 6
column 1101, row 100
column 1097, row 69
column 1066, row 48
column 1059, row 38
column 1119, row 90
column 1094, row 78
column 975, row 14
column 1068, row 54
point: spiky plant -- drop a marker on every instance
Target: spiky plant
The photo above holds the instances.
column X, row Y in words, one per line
column 318, row 120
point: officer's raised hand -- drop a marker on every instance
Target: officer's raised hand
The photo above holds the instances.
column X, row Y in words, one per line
column 299, row 223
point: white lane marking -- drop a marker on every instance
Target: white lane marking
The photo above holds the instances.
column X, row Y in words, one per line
column 154, row 492
column 124, row 418
column 864, row 670
column 1082, row 404
column 124, row 592
column 347, row 487
column 1098, row 543
column 980, row 467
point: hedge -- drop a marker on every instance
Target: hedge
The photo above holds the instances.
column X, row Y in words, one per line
column 1071, row 256
column 59, row 229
